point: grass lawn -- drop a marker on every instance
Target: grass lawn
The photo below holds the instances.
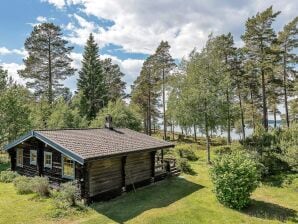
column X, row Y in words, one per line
column 185, row 199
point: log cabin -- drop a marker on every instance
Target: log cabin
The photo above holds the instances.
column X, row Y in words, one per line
column 104, row 161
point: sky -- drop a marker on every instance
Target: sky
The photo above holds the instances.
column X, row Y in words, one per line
column 129, row 30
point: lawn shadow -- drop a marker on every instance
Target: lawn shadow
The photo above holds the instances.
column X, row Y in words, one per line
column 266, row 210
column 159, row 195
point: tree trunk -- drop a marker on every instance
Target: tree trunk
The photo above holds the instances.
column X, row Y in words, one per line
column 207, row 134
column 173, row 131
column 195, row 132
column 274, row 115
column 229, row 119
column 149, row 109
column 50, row 90
column 264, row 99
column 242, row 115
column 252, row 110
column 164, row 106
column 285, row 88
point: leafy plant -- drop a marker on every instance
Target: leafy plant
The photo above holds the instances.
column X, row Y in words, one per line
column 235, row 176
column 186, row 151
column 23, row 185
column 67, row 195
column 8, row 176
column 40, row 185
column 184, row 166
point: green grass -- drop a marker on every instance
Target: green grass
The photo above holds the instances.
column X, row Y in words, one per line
column 185, row 199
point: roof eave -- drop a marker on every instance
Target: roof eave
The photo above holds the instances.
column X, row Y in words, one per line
column 126, row 153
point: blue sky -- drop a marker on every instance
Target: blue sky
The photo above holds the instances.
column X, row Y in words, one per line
column 127, row 31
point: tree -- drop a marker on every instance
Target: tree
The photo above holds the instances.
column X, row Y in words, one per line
column 3, row 79
column 258, row 38
column 14, row 113
column 48, row 62
column 202, row 92
column 145, row 93
column 63, row 116
column 163, row 63
column 288, row 42
column 123, row 116
column 91, row 81
column 113, row 80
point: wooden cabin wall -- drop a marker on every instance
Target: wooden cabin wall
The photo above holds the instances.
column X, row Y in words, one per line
column 104, row 175
column 54, row 173
column 27, row 169
column 138, row 167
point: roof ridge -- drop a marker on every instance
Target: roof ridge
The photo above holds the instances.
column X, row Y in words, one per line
column 63, row 129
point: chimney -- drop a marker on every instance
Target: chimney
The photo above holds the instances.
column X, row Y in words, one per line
column 109, row 122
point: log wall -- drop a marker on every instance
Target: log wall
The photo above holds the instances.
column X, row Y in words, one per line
column 104, row 175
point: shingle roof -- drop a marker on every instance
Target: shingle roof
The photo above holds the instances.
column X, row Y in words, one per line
column 94, row 143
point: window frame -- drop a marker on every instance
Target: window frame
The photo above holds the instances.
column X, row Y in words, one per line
column 73, row 162
column 45, row 160
column 17, row 157
column 34, row 163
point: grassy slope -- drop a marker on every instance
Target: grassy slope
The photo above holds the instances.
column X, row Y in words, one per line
column 188, row 199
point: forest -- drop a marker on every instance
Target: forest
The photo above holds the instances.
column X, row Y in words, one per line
column 197, row 102
column 221, row 87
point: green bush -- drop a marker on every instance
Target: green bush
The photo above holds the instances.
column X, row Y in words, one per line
column 184, row 166
column 221, row 150
column 67, row 195
column 289, row 147
column 8, row 176
column 235, row 176
column 186, row 151
column 23, row 184
column 40, row 185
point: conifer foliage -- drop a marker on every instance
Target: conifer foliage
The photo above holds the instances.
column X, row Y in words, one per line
column 48, row 62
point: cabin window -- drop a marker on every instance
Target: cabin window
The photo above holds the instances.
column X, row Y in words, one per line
column 48, row 160
column 20, row 157
column 33, row 157
column 68, row 167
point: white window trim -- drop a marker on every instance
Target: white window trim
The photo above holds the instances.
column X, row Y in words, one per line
column 33, row 162
column 17, row 162
column 44, row 160
column 66, row 176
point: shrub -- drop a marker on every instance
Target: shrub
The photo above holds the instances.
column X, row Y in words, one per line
column 40, row 185
column 23, row 184
column 8, row 176
column 289, row 146
column 67, row 195
column 221, row 150
column 184, row 166
column 186, row 151
column 235, row 177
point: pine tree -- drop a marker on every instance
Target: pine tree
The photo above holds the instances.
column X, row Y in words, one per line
column 91, row 81
column 288, row 42
column 163, row 63
column 48, row 62
column 258, row 38
column 113, row 80
column 145, row 93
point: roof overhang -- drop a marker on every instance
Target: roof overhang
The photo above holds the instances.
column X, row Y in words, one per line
column 47, row 141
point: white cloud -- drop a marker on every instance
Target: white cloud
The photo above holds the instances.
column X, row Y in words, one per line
column 4, row 51
column 12, row 69
column 41, row 19
column 58, row 3
column 140, row 25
